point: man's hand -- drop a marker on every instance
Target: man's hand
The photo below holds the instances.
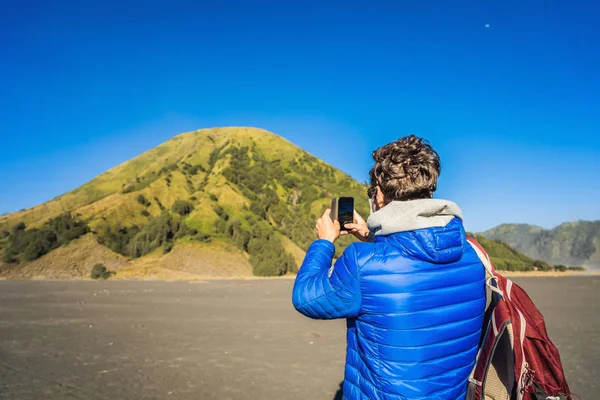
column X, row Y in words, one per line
column 327, row 228
column 359, row 228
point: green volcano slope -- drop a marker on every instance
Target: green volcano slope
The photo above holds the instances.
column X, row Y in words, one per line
column 213, row 202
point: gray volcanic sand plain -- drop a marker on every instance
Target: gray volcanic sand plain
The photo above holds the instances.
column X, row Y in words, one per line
column 218, row 339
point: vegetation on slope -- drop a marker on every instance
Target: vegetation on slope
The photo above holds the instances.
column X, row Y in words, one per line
column 74, row 260
column 572, row 243
column 30, row 244
column 506, row 258
column 276, row 200
column 135, row 241
column 242, row 186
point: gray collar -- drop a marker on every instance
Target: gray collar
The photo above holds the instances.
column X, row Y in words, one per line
column 402, row 216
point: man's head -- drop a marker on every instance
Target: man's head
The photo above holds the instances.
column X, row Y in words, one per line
column 406, row 169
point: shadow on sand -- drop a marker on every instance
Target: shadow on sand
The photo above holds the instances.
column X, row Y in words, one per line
column 339, row 395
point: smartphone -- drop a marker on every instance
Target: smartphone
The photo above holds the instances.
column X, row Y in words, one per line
column 342, row 210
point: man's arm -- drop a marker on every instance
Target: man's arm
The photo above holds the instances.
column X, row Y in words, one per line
column 325, row 292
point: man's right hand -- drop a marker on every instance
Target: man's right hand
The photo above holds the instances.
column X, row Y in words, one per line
column 359, row 228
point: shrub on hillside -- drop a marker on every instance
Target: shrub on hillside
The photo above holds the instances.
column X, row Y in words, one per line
column 560, row 268
column 257, row 207
column 139, row 183
column 159, row 231
column 9, row 256
column 142, row 200
column 269, row 258
column 194, row 170
column 503, row 264
column 289, row 182
column 159, row 204
column 4, row 234
column 145, row 213
column 309, row 194
column 99, row 271
column 213, row 197
column 190, row 186
column 240, row 237
column 166, row 169
column 20, row 226
column 117, row 239
column 182, row 207
column 214, row 156
column 34, row 243
column 67, row 228
column 41, row 242
column 167, row 247
column 542, row 265
column 218, row 210
column 267, row 254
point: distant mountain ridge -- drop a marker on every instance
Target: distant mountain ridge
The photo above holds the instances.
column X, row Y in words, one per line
column 571, row 244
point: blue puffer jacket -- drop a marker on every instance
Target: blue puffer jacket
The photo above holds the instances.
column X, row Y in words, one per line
column 414, row 302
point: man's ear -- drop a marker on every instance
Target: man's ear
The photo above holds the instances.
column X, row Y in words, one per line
column 379, row 198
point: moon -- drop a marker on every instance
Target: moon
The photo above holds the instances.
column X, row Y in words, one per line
column 487, row 25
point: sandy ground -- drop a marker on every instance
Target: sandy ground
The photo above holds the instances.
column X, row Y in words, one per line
column 217, row 339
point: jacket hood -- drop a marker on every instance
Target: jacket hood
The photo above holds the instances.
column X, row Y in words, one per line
column 428, row 229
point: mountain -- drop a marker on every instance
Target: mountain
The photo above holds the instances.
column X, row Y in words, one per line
column 506, row 258
column 573, row 243
column 214, row 202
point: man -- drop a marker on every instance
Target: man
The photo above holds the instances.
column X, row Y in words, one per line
column 412, row 292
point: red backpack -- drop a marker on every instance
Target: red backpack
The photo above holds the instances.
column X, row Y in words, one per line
column 516, row 359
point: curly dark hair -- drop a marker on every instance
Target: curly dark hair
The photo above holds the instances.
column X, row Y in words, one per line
column 406, row 169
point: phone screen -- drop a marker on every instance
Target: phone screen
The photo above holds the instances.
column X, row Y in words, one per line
column 345, row 210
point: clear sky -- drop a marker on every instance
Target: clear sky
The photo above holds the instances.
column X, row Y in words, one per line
column 507, row 91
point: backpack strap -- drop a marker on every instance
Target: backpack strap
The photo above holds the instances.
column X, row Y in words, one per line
column 494, row 325
column 491, row 281
column 483, row 256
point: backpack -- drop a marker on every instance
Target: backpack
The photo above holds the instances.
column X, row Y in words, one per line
column 516, row 360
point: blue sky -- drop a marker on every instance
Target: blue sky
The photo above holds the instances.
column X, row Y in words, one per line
column 507, row 91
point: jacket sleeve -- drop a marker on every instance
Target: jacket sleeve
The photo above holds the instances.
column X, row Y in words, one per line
column 323, row 291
